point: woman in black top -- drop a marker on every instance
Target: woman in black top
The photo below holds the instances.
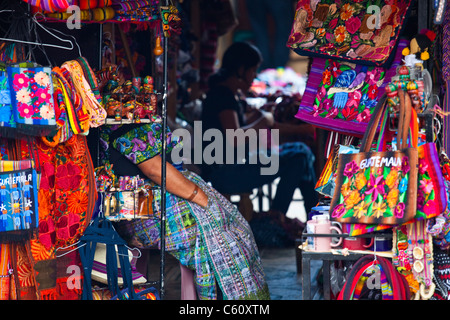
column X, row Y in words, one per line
column 224, row 109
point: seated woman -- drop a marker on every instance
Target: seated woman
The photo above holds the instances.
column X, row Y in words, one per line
column 204, row 231
column 225, row 109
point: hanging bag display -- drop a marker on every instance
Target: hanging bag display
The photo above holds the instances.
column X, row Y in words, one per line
column 378, row 187
column 341, row 96
column 364, row 32
column 31, row 90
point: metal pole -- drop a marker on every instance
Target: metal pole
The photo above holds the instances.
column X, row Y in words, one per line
column 163, row 166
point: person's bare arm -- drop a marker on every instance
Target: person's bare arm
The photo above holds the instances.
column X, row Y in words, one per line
column 176, row 183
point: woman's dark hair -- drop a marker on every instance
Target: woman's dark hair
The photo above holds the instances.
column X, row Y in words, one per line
column 239, row 54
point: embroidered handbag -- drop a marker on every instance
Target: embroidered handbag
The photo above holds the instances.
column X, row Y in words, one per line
column 7, row 123
column 31, row 89
column 378, row 187
column 18, row 198
column 359, row 31
column 341, row 96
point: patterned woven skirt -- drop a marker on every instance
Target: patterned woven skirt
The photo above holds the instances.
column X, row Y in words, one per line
column 214, row 241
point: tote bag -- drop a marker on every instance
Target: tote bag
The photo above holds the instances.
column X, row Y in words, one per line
column 364, row 32
column 31, row 89
column 378, row 187
column 341, row 96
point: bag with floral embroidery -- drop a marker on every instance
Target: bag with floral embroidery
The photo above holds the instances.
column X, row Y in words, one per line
column 379, row 186
column 31, row 90
column 340, row 96
column 364, row 31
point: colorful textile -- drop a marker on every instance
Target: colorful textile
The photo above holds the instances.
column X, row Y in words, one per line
column 18, row 200
column 341, row 96
column 144, row 142
column 360, row 31
column 216, row 242
column 6, row 112
column 67, row 192
column 32, row 95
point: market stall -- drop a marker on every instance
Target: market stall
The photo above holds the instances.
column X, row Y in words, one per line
column 60, row 197
column 376, row 87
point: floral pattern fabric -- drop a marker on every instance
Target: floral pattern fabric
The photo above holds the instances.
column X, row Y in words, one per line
column 376, row 187
column 348, row 92
column 359, row 30
column 341, row 96
column 32, row 95
column 144, row 142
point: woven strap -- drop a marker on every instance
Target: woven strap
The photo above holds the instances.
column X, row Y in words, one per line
column 446, row 76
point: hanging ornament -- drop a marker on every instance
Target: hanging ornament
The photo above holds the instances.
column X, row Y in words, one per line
column 158, row 50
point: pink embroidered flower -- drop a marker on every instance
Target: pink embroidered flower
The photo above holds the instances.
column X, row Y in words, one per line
column 373, row 76
column 405, row 165
column 67, row 226
column 354, row 98
column 363, row 116
column 399, row 210
column 332, row 113
column 338, row 211
column 375, row 186
column 25, row 110
column 351, row 169
column 322, row 91
column 355, row 42
column 353, row 24
column 23, row 96
column 426, row 186
column 20, row 81
column 43, row 95
column 327, row 104
column 47, row 233
column 332, row 24
column 420, row 201
column 423, row 166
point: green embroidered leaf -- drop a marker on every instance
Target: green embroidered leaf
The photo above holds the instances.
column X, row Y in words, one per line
column 432, row 195
column 420, row 215
column 388, row 213
column 370, row 210
column 348, row 214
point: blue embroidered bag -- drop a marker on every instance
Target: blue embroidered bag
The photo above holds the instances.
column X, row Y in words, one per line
column 31, row 92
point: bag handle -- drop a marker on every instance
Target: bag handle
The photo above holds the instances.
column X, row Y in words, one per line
column 373, row 123
column 403, row 121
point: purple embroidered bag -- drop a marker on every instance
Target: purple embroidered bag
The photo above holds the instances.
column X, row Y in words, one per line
column 340, row 96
